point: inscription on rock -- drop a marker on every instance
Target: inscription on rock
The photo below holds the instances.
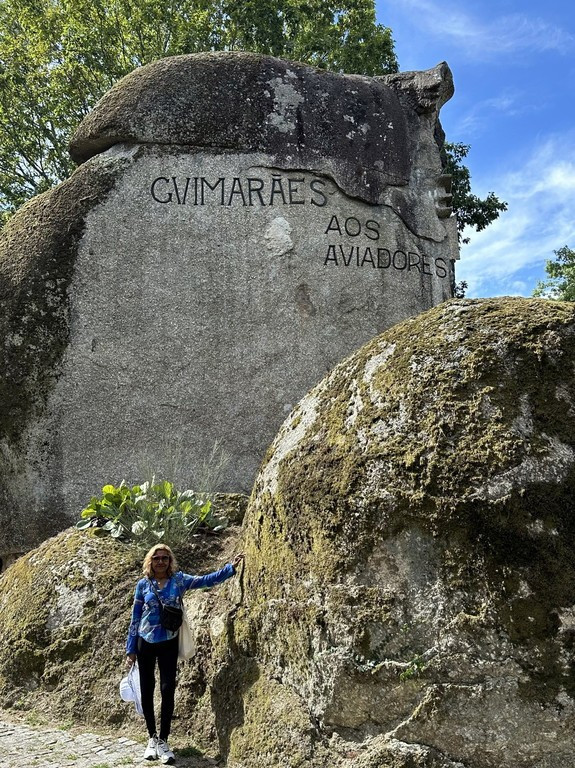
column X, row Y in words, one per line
column 282, row 190
column 247, row 192
column 206, row 265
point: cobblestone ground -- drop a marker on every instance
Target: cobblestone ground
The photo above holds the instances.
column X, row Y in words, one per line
column 30, row 746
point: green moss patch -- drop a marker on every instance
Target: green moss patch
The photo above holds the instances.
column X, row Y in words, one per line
column 417, row 512
column 66, row 610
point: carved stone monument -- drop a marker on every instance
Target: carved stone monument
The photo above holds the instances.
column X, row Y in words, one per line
column 238, row 224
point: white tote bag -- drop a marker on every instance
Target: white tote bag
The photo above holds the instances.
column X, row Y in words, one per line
column 186, row 642
column 130, row 688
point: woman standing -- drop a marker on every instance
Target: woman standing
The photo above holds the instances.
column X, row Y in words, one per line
column 149, row 642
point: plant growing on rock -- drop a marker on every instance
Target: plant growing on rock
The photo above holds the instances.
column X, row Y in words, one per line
column 413, row 669
column 150, row 512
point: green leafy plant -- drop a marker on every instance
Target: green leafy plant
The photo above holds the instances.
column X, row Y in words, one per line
column 149, row 513
column 414, row 668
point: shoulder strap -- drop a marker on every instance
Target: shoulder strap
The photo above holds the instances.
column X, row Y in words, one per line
column 179, row 582
column 155, row 591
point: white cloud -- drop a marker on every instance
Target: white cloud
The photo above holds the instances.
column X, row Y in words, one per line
column 508, row 103
column 480, row 40
column 541, row 199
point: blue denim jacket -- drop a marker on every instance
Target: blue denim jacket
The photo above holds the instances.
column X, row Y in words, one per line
column 146, row 611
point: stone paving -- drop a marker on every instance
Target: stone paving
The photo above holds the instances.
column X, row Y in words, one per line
column 30, row 746
column 25, row 746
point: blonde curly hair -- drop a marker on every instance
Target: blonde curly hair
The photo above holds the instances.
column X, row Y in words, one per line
column 148, row 567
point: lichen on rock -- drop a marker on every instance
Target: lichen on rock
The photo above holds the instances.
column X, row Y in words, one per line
column 65, row 608
column 410, row 536
column 409, row 590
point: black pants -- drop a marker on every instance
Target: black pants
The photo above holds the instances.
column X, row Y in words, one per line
column 167, row 655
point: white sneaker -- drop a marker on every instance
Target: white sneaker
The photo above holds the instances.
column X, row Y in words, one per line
column 151, row 752
column 165, row 753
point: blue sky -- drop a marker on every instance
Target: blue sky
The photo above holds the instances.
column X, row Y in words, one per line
column 513, row 65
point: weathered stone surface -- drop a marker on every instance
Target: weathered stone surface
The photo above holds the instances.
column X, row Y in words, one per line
column 408, row 599
column 375, row 137
column 38, row 249
column 410, row 539
column 65, row 608
column 244, row 224
column 244, row 102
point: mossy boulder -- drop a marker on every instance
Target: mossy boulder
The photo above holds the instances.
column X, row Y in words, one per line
column 61, row 605
column 410, row 577
column 65, row 610
column 408, row 599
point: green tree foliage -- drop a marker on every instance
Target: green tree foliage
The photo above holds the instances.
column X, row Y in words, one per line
column 561, row 272
column 471, row 210
column 460, row 289
column 58, row 57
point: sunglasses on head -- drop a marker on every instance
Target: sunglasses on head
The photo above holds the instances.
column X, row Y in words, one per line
column 160, row 557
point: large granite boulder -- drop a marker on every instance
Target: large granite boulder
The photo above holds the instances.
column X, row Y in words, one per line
column 237, row 226
column 409, row 593
column 247, row 102
column 410, row 578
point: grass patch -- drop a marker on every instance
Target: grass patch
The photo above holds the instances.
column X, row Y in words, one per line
column 189, row 752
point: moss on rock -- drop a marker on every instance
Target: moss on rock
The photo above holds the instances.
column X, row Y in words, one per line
column 65, row 608
column 273, row 717
column 38, row 250
column 61, row 604
column 410, row 538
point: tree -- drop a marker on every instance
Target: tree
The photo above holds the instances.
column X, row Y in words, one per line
column 460, row 289
column 58, row 57
column 561, row 272
column 471, row 210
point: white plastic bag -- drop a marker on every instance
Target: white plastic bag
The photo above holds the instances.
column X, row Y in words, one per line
column 186, row 642
column 130, row 688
